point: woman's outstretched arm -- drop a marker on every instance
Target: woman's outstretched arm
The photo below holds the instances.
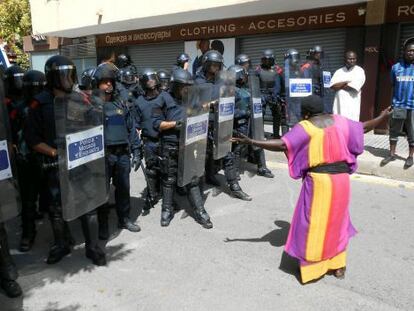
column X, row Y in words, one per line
column 272, row 144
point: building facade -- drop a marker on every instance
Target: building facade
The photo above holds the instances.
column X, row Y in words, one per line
column 154, row 37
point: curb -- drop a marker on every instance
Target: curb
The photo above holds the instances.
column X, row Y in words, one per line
column 367, row 165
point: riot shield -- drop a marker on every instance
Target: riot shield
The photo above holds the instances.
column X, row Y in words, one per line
column 328, row 93
column 80, row 143
column 292, row 73
column 256, row 108
column 9, row 193
column 224, row 114
column 193, row 136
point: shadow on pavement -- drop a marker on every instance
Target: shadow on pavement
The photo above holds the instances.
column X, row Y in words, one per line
column 276, row 238
column 35, row 273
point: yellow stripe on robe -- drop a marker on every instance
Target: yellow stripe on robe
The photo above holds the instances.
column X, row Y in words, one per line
column 314, row 271
column 318, row 216
column 316, row 143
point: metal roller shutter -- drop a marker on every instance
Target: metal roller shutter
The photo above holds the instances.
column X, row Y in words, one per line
column 407, row 31
column 332, row 41
column 155, row 56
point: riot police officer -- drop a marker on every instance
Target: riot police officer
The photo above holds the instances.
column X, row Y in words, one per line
column 8, row 270
column 121, row 141
column 128, row 87
column 182, row 61
column 27, row 165
column 270, row 75
column 85, row 84
column 169, row 121
column 124, row 61
column 292, row 71
column 312, row 69
column 164, row 79
column 40, row 135
column 211, row 65
column 152, row 99
column 244, row 61
column 27, row 169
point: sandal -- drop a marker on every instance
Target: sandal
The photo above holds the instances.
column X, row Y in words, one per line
column 339, row 273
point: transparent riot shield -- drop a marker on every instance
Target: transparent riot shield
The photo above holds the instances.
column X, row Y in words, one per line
column 224, row 114
column 80, row 143
column 256, row 108
column 9, row 193
column 193, row 136
column 326, row 73
column 292, row 72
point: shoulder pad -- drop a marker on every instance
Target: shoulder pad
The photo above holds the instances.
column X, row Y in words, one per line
column 34, row 104
column 305, row 66
column 278, row 69
column 7, row 101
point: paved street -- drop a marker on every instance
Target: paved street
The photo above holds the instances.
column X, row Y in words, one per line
column 238, row 265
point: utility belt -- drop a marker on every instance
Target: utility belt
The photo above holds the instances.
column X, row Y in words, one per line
column 150, row 139
column 241, row 121
column 48, row 163
column 331, row 168
column 117, row 149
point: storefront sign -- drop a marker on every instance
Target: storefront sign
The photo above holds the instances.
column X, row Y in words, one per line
column 330, row 17
column 400, row 11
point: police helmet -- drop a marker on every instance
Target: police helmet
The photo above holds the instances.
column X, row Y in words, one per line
column 34, row 82
column 147, row 76
column 210, row 57
column 316, row 49
column 86, row 79
column 164, row 78
column 181, row 76
column 127, row 75
column 104, row 72
column 182, row 59
column 13, row 77
column 293, row 55
column 242, row 59
column 240, row 73
column 180, row 79
column 268, row 57
column 60, row 73
column 123, row 60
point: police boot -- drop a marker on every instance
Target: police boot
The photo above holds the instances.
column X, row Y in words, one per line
column 129, row 225
column 28, row 229
column 211, row 172
column 152, row 196
column 8, row 271
column 90, row 231
column 61, row 247
column 103, row 223
column 262, row 169
column 200, row 214
column 237, row 192
column 167, row 209
column 11, row 288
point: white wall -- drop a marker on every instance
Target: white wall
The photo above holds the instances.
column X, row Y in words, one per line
column 75, row 18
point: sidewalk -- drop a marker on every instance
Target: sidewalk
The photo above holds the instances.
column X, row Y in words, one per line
column 376, row 148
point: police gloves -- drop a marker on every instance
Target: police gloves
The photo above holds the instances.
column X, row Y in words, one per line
column 178, row 125
column 136, row 161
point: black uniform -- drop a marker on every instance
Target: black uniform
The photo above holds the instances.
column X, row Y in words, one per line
column 40, row 128
column 121, row 140
column 174, row 111
column 144, row 107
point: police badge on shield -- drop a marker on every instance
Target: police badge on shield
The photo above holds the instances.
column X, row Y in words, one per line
column 5, row 167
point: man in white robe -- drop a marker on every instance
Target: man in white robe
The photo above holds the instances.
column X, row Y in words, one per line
column 348, row 82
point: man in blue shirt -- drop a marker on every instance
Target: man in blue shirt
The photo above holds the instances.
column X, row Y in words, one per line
column 402, row 75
